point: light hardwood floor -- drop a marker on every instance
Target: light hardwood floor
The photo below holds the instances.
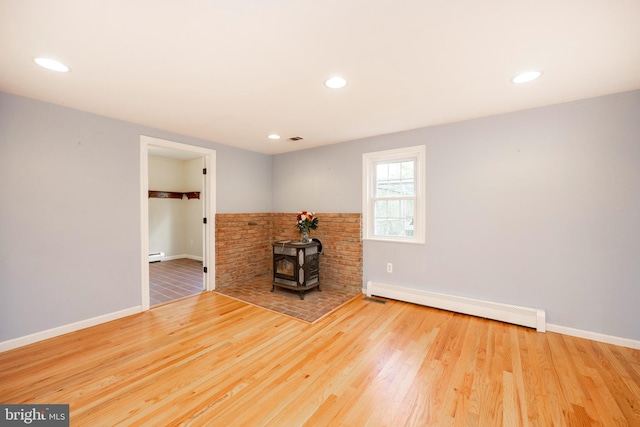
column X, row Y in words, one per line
column 209, row 360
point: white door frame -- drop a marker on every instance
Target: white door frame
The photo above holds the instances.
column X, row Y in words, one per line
column 209, row 190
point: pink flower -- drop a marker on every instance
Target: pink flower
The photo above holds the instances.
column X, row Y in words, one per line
column 307, row 221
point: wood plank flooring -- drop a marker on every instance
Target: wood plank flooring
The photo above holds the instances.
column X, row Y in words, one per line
column 209, row 360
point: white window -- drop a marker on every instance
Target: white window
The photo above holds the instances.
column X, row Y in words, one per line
column 393, row 195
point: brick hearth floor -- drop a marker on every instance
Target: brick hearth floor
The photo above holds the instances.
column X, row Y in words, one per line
column 314, row 306
column 177, row 278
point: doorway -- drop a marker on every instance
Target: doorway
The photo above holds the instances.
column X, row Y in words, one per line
column 192, row 155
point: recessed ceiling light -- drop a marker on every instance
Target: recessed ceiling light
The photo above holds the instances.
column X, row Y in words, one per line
column 51, row 64
column 527, row 76
column 274, row 136
column 335, row 82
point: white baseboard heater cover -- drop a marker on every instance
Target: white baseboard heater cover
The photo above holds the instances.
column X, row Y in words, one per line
column 156, row 256
column 524, row 316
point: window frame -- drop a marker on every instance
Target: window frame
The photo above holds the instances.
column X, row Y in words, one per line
column 369, row 165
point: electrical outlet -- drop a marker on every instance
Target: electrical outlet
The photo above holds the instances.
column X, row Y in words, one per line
column 389, row 267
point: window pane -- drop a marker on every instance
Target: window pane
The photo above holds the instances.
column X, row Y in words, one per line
column 395, row 171
column 382, row 172
column 407, row 170
column 381, row 227
column 408, row 209
column 393, row 208
column 388, row 227
column 381, row 209
column 408, row 228
column 395, row 228
column 385, row 189
column 408, row 189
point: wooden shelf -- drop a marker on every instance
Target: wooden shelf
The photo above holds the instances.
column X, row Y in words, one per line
column 174, row 194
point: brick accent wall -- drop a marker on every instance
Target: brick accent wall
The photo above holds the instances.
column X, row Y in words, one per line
column 243, row 247
column 244, row 251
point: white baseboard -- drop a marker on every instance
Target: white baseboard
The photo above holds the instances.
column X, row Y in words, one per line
column 524, row 316
column 594, row 336
column 172, row 257
column 64, row 329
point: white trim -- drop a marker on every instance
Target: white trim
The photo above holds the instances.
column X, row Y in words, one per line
column 594, row 336
column 209, row 190
column 145, row 298
column 368, row 186
column 172, row 257
column 65, row 329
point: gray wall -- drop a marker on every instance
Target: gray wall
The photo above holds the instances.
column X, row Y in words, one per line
column 323, row 179
column 70, row 211
column 538, row 208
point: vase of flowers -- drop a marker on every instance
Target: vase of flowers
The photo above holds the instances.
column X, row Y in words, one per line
column 306, row 221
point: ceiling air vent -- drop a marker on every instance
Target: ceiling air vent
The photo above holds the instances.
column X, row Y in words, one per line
column 295, row 138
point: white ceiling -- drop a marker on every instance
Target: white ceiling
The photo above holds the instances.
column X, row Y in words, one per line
column 234, row 71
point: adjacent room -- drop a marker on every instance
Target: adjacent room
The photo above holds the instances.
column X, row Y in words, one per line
column 320, row 213
column 175, row 212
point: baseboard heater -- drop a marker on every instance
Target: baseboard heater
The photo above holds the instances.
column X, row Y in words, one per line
column 156, row 256
column 524, row 316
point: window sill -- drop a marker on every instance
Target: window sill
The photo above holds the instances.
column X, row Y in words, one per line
column 394, row 240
